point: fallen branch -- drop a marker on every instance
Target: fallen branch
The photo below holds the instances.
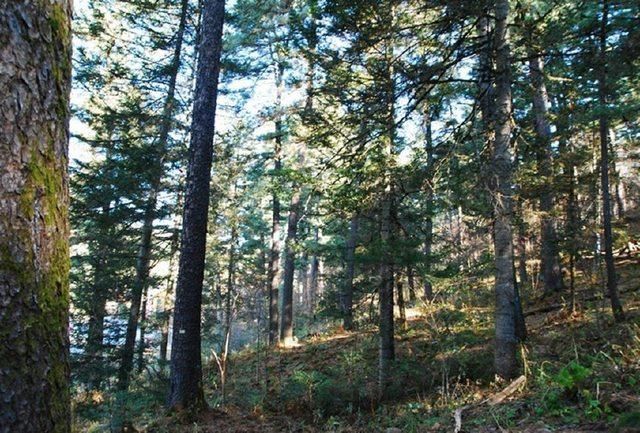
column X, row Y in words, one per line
column 491, row 401
column 553, row 307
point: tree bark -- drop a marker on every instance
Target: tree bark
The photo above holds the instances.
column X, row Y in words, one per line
column 612, row 284
column 549, row 255
column 35, row 60
column 186, row 363
column 506, row 363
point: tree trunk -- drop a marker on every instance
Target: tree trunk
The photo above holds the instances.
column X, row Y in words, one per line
column 612, row 284
column 97, row 309
column 506, row 363
column 401, row 305
column 166, row 313
column 314, row 274
column 144, row 255
column 387, row 347
column 142, row 274
column 186, row 363
column 350, row 261
column 95, row 334
column 618, row 186
column 387, row 211
column 428, row 226
column 549, row 255
column 286, row 320
column 143, row 328
column 35, row 60
column 274, row 263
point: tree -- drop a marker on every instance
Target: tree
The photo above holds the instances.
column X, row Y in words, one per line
column 34, row 230
column 160, row 150
column 550, row 259
column 186, row 364
column 612, row 283
column 506, row 363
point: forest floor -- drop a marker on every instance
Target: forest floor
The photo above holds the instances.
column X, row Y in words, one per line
column 582, row 374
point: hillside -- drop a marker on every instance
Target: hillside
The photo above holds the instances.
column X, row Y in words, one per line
column 582, row 375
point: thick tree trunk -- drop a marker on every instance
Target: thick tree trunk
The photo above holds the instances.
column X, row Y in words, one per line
column 549, row 255
column 35, row 60
column 186, row 363
column 506, row 363
column 350, row 271
column 612, row 284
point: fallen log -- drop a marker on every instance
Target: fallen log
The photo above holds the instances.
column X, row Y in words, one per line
column 491, row 401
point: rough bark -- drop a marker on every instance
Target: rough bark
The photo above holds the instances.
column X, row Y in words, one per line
column 505, row 360
column 612, row 284
column 350, row 271
column 186, row 363
column 35, row 60
column 549, row 255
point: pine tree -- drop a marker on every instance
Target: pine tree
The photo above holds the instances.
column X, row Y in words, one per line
column 34, row 229
column 186, row 364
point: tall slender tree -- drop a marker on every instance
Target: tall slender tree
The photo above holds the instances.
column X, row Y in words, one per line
column 549, row 255
column 612, row 283
column 506, row 363
column 160, row 150
column 186, row 363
